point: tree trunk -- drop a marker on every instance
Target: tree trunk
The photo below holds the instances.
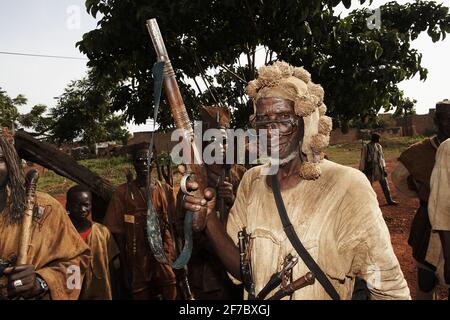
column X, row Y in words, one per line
column 51, row 158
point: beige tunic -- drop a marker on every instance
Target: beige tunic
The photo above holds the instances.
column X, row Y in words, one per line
column 338, row 220
column 439, row 207
column 97, row 283
column 56, row 250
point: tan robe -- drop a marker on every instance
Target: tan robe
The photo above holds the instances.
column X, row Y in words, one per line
column 97, row 282
column 56, row 250
column 339, row 222
column 126, row 215
column 439, row 207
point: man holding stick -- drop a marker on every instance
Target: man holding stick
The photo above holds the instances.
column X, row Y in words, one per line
column 57, row 257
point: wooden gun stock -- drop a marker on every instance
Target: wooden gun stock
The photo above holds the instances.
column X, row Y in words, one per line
column 194, row 162
column 307, row 280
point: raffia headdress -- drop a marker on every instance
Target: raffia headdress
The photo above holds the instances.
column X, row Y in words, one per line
column 281, row 80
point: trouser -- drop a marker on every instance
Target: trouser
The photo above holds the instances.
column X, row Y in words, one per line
column 387, row 192
column 426, row 283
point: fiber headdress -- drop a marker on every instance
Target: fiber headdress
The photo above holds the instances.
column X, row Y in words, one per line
column 281, row 80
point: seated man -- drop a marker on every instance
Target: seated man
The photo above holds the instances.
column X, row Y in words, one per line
column 97, row 282
column 57, row 258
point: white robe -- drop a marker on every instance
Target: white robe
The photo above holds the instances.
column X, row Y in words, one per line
column 338, row 220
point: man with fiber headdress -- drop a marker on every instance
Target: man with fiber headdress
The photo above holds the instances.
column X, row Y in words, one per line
column 332, row 209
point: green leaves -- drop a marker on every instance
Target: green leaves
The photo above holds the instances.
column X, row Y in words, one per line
column 212, row 44
column 84, row 113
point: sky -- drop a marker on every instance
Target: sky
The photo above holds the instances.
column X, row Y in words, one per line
column 52, row 27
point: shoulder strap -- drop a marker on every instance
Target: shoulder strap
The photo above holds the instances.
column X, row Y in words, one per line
column 297, row 244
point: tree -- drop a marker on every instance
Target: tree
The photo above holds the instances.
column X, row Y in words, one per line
column 37, row 120
column 214, row 44
column 83, row 113
column 406, row 108
column 9, row 113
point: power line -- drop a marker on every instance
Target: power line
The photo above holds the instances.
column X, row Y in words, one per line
column 40, row 55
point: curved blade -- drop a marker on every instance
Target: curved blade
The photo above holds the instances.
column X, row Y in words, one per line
column 154, row 235
column 185, row 255
column 153, row 229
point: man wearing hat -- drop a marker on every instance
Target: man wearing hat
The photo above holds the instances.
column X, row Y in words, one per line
column 412, row 178
column 332, row 208
column 207, row 275
column 126, row 219
column 373, row 165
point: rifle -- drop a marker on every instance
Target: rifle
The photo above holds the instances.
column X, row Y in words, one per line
column 245, row 247
column 223, row 210
column 277, row 278
column 306, row 280
column 195, row 167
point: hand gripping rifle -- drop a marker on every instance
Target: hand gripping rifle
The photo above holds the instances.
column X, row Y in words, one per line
column 195, row 167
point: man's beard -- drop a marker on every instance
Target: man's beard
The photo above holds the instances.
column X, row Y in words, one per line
column 280, row 162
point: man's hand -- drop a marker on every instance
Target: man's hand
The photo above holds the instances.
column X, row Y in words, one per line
column 22, row 282
column 225, row 191
column 201, row 208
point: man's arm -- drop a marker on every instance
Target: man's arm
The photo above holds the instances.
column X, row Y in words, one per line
column 222, row 243
column 364, row 241
column 400, row 177
column 63, row 256
column 224, row 246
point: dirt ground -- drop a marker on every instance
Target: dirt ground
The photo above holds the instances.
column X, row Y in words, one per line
column 398, row 219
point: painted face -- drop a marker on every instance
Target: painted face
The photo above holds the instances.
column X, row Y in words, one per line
column 140, row 160
column 79, row 204
column 278, row 113
column 3, row 170
column 443, row 124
